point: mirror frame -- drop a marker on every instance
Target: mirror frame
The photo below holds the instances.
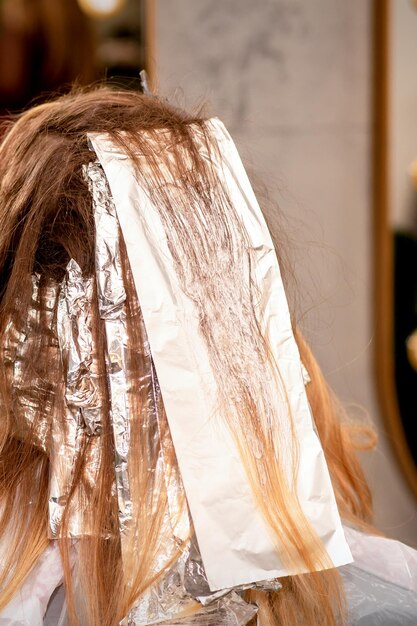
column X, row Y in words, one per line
column 383, row 250
column 150, row 34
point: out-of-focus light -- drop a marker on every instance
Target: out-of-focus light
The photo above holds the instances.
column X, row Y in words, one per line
column 411, row 345
column 412, row 169
column 101, row 8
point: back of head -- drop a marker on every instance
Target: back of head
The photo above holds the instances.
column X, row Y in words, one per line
column 46, row 219
column 45, row 206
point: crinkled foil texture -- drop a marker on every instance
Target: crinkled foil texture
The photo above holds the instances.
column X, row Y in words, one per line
column 57, row 417
column 82, row 403
column 32, row 406
column 112, row 308
column 181, row 595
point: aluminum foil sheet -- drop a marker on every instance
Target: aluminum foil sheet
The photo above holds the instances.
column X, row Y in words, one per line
column 184, row 588
column 157, row 446
column 231, row 610
column 32, row 406
column 112, row 298
column 164, row 600
column 76, row 344
column 59, row 315
column 235, row 542
column 82, row 403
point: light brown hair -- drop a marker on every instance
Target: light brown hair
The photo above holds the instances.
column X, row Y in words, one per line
column 46, row 219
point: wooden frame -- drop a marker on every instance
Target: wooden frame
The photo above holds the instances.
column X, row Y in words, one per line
column 150, row 13
column 383, row 269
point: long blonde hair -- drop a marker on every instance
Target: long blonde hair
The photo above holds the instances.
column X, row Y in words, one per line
column 45, row 220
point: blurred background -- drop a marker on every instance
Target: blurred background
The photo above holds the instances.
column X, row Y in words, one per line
column 47, row 45
column 321, row 98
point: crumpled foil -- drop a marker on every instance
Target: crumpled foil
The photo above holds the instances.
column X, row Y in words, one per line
column 76, row 343
column 183, row 597
column 111, row 298
column 54, row 322
column 32, row 406
column 82, row 406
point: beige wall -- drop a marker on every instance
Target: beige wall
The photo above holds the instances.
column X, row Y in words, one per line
column 292, row 81
column 403, row 107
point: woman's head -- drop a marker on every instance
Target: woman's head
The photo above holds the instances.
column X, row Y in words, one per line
column 46, row 219
column 41, row 159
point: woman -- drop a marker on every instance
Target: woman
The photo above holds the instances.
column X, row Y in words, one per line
column 134, row 283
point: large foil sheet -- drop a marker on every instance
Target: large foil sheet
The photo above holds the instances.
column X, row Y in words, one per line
column 235, row 542
column 183, row 589
column 81, row 407
column 154, row 430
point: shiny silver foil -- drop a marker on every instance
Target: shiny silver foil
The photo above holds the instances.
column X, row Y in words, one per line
column 55, row 417
column 32, row 405
column 174, row 233
column 184, row 589
column 182, row 596
column 111, row 299
column 76, row 344
column 82, row 402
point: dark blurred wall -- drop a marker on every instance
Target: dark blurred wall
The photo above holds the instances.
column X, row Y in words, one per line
column 48, row 45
